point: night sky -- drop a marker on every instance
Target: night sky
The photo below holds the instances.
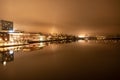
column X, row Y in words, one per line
column 63, row 16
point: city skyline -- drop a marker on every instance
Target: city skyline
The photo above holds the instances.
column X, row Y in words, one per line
column 59, row 39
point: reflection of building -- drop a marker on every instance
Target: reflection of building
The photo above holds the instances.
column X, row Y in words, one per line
column 36, row 46
column 6, row 56
column 4, row 37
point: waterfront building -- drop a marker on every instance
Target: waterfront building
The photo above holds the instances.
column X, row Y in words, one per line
column 10, row 37
column 6, row 26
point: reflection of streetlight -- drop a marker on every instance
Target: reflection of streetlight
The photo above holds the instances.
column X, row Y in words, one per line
column 11, row 51
column 81, row 41
column 41, row 44
column 4, row 63
column 54, row 47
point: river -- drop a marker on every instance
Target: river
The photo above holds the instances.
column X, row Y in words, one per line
column 85, row 60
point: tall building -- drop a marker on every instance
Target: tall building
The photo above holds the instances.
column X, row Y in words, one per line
column 6, row 26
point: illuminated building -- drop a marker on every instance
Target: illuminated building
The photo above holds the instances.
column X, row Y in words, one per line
column 10, row 37
column 37, row 37
column 17, row 38
column 6, row 26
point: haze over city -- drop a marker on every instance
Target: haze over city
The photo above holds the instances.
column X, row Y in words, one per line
column 63, row 16
column 59, row 39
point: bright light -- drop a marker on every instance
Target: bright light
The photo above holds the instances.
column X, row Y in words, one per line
column 81, row 36
column 4, row 63
column 81, row 41
column 41, row 44
column 11, row 31
column 11, row 51
column 41, row 39
column 6, row 39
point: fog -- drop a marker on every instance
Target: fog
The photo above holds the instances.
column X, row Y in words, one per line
column 63, row 16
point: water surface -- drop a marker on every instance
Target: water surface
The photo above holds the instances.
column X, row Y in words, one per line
column 62, row 61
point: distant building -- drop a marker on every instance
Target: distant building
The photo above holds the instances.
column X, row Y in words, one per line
column 10, row 37
column 37, row 37
column 6, row 26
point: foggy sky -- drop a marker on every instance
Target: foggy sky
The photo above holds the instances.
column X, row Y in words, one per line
column 66, row 16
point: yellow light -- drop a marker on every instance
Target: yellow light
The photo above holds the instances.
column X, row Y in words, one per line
column 11, row 40
column 6, row 39
column 11, row 51
column 41, row 39
column 4, row 63
column 81, row 41
column 81, row 36
column 41, row 44
column 53, row 30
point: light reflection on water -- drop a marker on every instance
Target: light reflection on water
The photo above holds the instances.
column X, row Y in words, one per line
column 7, row 53
column 112, row 43
column 61, row 58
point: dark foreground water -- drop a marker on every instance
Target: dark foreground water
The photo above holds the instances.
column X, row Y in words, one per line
column 91, row 60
